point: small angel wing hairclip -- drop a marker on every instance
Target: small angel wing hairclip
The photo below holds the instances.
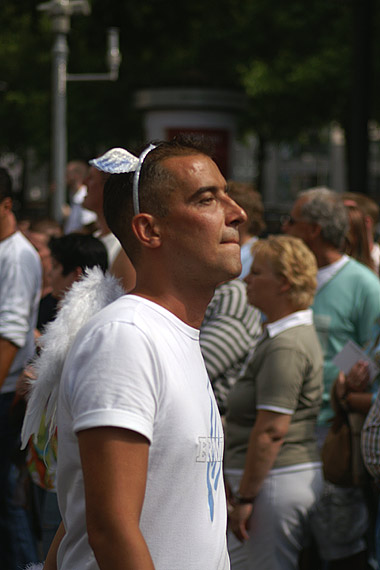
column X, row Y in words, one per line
column 116, row 161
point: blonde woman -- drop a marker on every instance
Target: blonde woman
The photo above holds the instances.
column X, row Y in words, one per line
column 272, row 462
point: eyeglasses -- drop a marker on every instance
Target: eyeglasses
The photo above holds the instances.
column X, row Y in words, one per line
column 289, row 220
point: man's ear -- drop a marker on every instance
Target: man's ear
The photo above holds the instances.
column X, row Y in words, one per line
column 315, row 231
column 147, row 230
column 6, row 204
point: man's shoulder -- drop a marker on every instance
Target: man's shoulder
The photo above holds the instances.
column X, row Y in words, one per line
column 20, row 263
column 354, row 274
column 18, row 247
column 123, row 309
column 356, row 268
column 136, row 314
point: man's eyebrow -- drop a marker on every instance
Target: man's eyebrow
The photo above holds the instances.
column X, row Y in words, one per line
column 204, row 189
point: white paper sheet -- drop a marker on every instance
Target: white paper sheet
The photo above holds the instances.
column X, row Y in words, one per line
column 350, row 354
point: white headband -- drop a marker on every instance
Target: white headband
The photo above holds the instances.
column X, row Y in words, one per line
column 119, row 161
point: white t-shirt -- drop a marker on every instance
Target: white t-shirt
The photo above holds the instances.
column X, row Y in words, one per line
column 137, row 366
column 327, row 272
column 20, row 291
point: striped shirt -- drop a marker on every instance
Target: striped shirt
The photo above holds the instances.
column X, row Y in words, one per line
column 370, row 440
column 370, row 437
column 229, row 332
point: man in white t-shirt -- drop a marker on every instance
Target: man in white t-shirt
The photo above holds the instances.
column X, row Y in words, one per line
column 140, row 442
column 20, row 288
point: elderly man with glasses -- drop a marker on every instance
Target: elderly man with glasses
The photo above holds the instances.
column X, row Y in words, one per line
column 345, row 307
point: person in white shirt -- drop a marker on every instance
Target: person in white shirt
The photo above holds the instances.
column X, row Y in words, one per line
column 79, row 218
column 20, row 289
column 140, row 447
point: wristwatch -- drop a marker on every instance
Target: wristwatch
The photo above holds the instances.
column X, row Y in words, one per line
column 238, row 499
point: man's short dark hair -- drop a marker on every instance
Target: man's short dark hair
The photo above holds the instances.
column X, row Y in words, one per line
column 155, row 186
column 79, row 250
column 5, row 184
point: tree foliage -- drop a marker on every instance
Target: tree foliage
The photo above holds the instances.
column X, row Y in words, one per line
column 293, row 60
column 25, row 70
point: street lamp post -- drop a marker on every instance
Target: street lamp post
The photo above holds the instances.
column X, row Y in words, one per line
column 60, row 12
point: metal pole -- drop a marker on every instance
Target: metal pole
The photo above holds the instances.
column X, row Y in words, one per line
column 60, row 12
column 59, row 148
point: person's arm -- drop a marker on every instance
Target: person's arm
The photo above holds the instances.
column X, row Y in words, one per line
column 114, row 463
column 8, row 352
column 266, row 438
column 359, row 402
column 51, row 558
column 123, row 269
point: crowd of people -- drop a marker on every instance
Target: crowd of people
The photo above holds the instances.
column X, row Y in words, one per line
column 168, row 373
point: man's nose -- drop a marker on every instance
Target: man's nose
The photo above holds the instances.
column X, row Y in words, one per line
column 235, row 212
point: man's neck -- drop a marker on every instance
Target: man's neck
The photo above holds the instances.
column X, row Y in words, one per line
column 187, row 306
column 327, row 256
column 8, row 227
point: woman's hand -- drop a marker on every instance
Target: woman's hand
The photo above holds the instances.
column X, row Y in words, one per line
column 358, row 377
column 239, row 520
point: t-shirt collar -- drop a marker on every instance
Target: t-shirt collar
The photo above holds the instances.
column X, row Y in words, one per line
column 304, row 317
column 326, row 273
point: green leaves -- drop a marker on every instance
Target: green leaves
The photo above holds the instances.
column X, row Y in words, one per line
column 293, row 59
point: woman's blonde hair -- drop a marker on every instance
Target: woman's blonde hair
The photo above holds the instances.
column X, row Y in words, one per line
column 292, row 259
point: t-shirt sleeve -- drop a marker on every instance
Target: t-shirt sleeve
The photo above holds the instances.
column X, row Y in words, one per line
column 113, row 380
column 279, row 380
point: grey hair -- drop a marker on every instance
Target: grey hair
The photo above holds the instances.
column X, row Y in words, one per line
column 325, row 208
